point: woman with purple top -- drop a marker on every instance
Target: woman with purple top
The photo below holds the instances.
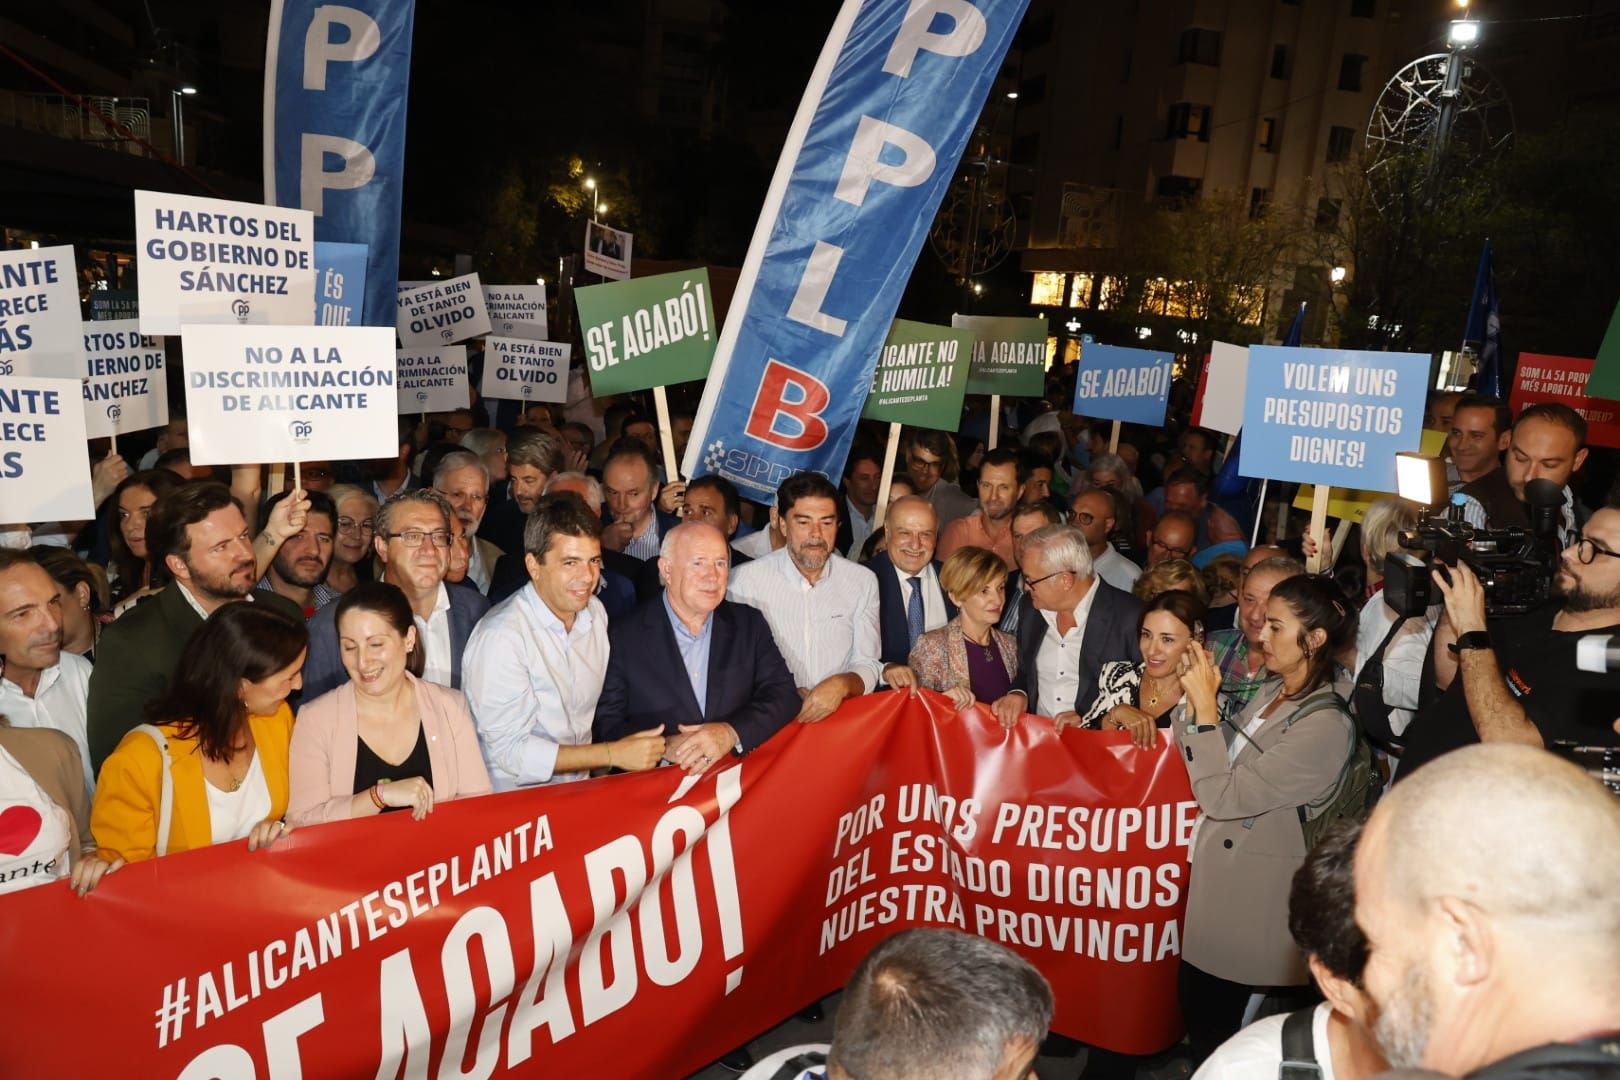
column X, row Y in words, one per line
column 968, row 658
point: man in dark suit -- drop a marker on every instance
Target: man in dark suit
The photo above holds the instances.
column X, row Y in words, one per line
column 413, row 544
column 710, row 499
column 910, row 598
column 1071, row 623
column 707, row 669
column 199, row 534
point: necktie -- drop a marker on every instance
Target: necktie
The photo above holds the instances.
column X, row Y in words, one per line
column 914, row 611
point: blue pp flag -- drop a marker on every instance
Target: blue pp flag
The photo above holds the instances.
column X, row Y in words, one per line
column 873, row 147
column 1484, row 325
column 335, row 79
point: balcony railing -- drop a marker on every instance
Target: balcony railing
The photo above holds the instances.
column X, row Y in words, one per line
column 120, row 123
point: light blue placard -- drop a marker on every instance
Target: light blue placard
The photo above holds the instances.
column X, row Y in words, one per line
column 1129, row 385
column 340, row 283
column 1331, row 416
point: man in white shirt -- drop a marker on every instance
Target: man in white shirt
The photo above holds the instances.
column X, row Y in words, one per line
column 41, row 686
column 1096, row 513
column 536, row 663
column 822, row 608
column 463, row 479
column 1071, row 624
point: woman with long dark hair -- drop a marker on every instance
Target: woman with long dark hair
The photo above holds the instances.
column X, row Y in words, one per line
column 1258, row 778
column 130, row 568
column 210, row 766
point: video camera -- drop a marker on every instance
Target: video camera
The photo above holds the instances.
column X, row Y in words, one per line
column 1515, row 565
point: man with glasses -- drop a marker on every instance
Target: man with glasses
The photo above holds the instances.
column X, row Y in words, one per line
column 1515, row 680
column 929, row 456
column 1096, row 514
column 1070, row 623
column 413, row 545
column 1174, row 537
column 463, row 479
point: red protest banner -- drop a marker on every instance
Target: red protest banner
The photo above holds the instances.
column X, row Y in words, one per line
column 638, row 925
column 1563, row 379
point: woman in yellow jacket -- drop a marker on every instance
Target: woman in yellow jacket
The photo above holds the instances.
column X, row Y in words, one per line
column 211, row 767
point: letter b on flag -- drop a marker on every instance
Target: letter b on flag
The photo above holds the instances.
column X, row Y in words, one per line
column 774, row 417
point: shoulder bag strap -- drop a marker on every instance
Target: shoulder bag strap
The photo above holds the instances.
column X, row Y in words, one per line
column 1299, row 1060
column 166, row 797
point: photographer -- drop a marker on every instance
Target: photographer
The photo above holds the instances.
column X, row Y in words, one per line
column 1548, row 443
column 1517, row 681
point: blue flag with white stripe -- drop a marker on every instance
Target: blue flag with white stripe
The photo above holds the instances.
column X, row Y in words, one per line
column 1484, row 326
column 873, row 147
column 335, row 79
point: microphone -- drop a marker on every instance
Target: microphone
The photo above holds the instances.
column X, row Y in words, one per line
column 1598, row 653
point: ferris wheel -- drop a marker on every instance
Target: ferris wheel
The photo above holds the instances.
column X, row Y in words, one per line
column 1445, row 106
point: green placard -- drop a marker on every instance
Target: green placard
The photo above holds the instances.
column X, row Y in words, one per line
column 1009, row 356
column 1604, row 381
column 647, row 332
column 921, row 376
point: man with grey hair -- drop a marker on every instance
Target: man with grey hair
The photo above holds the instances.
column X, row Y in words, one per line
column 533, row 457
column 1488, row 887
column 412, row 541
column 940, row 1005
column 1082, row 623
column 463, row 479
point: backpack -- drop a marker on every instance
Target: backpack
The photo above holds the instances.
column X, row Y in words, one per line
column 1371, row 713
column 1356, row 789
column 1299, row 1047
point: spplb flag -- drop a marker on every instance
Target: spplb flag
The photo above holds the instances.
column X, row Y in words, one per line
column 875, row 142
column 335, row 78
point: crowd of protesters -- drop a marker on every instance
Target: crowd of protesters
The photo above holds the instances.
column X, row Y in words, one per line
column 212, row 662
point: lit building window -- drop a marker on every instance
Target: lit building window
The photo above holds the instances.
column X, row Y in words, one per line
column 1155, row 296
column 1249, row 304
column 1080, row 290
column 1046, row 290
column 1110, row 293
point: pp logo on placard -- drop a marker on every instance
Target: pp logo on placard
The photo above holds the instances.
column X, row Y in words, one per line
column 6, row 367
column 525, row 389
column 421, row 395
column 301, row 430
column 114, row 411
column 447, row 333
column 241, row 309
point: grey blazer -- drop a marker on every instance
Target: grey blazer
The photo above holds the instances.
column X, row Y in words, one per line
column 1249, row 841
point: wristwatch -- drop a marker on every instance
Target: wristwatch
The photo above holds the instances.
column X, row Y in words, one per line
column 1474, row 639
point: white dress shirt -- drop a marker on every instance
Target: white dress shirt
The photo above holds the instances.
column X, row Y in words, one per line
column 1116, row 569
column 1403, row 660
column 824, row 629
column 932, row 592
column 756, row 545
column 533, row 686
column 435, row 630
column 1057, row 662
column 58, row 702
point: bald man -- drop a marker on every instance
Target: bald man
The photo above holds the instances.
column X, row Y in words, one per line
column 911, row 601
column 1488, row 886
column 1096, row 515
column 1174, row 537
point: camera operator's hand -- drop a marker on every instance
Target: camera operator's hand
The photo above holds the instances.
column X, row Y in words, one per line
column 1464, row 596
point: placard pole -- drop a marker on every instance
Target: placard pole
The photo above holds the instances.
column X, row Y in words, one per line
column 278, row 477
column 1319, row 509
column 1259, row 512
column 298, row 476
column 995, row 422
column 889, row 453
column 112, row 442
column 665, row 434
column 1339, row 539
column 1113, row 438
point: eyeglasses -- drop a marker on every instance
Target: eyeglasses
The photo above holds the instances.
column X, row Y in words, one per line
column 1030, row 583
column 350, row 527
column 1180, row 553
column 921, row 463
column 1587, row 551
column 412, row 538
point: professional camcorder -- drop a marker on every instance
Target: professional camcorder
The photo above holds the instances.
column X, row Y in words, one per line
column 1515, row 565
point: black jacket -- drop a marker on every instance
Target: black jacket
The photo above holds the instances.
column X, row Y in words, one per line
column 896, row 637
column 1110, row 634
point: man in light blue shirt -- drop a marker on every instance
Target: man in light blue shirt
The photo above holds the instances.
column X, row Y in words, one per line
column 535, row 664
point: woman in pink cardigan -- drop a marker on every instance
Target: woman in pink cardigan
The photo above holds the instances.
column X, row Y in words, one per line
column 385, row 740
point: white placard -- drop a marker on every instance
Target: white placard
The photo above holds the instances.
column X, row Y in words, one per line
column 607, row 251
column 524, row 370
column 433, row 380
column 1223, row 388
column 215, row 261
column 126, row 388
column 44, row 466
column 442, row 312
column 40, row 331
column 516, row 310
column 289, row 393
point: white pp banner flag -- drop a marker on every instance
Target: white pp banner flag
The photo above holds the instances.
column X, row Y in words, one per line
column 290, row 393
column 607, row 251
column 433, row 380
column 442, row 312
column 125, row 387
column 524, row 370
column 516, row 310
column 39, row 313
column 44, row 464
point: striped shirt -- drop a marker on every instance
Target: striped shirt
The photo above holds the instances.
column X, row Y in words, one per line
column 646, row 545
column 824, row 629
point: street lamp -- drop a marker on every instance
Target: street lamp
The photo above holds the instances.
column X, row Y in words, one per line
column 177, row 113
column 1462, row 33
column 590, row 186
column 1337, row 275
column 599, row 211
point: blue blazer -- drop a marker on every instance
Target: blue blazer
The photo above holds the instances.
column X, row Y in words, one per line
column 750, row 686
column 323, row 667
column 892, row 609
